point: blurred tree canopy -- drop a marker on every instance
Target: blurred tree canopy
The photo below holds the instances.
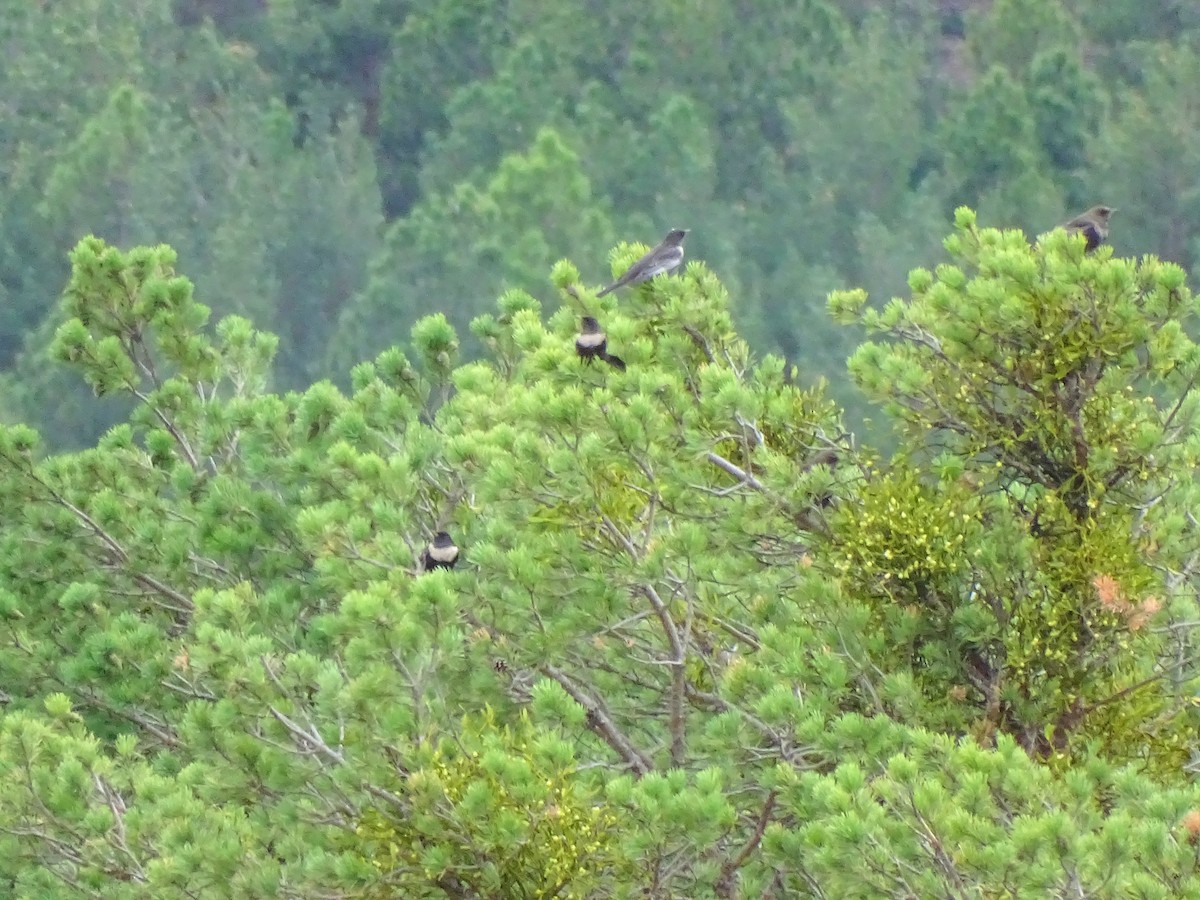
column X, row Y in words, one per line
column 336, row 169
column 289, row 286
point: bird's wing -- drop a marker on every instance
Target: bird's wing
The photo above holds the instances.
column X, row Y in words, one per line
column 632, row 275
column 637, row 272
column 1087, row 228
column 660, row 263
column 654, row 263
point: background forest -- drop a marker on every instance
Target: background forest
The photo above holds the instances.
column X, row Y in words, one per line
column 335, row 170
column 289, row 287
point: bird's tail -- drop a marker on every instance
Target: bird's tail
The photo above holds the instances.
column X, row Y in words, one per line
column 615, row 361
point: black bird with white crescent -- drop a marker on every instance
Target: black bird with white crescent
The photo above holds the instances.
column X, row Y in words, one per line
column 442, row 553
column 592, row 343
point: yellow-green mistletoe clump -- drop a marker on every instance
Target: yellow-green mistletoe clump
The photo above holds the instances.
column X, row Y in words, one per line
column 501, row 810
column 906, row 540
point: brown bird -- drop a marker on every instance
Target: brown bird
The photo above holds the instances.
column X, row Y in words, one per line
column 1093, row 225
column 441, row 553
column 827, row 457
column 592, row 343
column 663, row 259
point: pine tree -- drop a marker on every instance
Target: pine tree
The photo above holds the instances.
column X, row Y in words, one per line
column 698, row 643
column 1034, row 525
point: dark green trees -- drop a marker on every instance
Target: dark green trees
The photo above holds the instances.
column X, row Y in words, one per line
column 315, row 164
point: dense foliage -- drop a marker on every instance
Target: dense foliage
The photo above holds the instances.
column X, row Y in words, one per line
column 702, row 641
column 336, row 169
column 699, row 643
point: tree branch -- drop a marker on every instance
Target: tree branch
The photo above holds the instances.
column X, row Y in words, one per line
column 743, row 476
column 726, row 884
column 790, row 754
column 678, row 675
column 601, row 722
column 183, row 602
column 309, row 739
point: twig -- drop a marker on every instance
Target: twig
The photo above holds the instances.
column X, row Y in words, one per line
column 147, row 581
column 619, row 536
column 725, row 885
column 601, row 722
column 699, row 341
column 116, row 805
column 309, row 738
column 722, row 463
column 781, row 745
column 678, row 675
column 175, row 433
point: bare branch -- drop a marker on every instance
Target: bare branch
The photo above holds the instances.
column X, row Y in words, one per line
column 781, row 745
column 601, row 722
column 309, row 739
column 743, row 476
column 726, row 884
column 183, row 602
column 175, row 433
column 116, row 804
column 678, row 675
column 619, row 536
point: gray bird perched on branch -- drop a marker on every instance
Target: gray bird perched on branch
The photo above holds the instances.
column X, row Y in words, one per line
column 663, row 259
column 441, row 553
column 1093, row 225
column 592, row 343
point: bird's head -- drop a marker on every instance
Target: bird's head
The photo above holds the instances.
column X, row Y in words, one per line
column 589, row 324
column 1102, row 213
column 443, row 539
column 676, row 236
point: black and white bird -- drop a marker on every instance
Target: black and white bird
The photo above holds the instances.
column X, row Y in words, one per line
column 441, row 553
column 662, row 260
column 592, row 343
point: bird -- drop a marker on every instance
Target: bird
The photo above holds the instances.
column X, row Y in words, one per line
column 827, row 457
column 441, row 553
column 592, row 343
column 665, row 258
column 1093, row 225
